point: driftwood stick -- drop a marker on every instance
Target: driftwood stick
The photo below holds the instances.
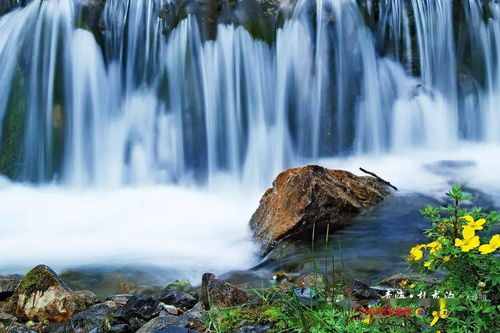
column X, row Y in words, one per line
column 380, row 179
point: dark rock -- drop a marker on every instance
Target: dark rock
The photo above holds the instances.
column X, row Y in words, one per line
column 43, row 296
column 8, row 284
column 177, row 298
column 311, row 195
column 359, row 292
column 142, row 307
column 218, row 293
column 120, row 328
column 163, row 322
column 254, row 329
column 95, row 317
column 195, row 316
column 174, row 329
column 88, row 297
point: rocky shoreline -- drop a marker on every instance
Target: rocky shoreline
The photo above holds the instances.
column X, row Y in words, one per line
column 41, row 302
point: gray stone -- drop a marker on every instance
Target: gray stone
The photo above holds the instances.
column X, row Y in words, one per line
column 8, row 284
column 95, row 317
column 163, row 322
column 120, row 299
column 7, row 318
column 218, row 293
column 176, row 298
column 17, row 328
column 88, row 297
column 254, row 329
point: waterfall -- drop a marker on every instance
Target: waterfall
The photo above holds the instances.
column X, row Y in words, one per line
column 132, row 102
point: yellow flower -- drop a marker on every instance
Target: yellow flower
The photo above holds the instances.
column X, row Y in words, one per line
column 435, row 319
column 367, row 320
column 467, row 244
column 446, row 259
column 416, row 252
column 492, row 246
column 468, row 232
column 476, row 225
column 403, row 283
column 428, row 264
column 435, row 246
column 481, row 284
column 413, row 285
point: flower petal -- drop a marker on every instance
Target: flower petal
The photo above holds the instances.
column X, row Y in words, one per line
column 468, row 218
column 468, row 232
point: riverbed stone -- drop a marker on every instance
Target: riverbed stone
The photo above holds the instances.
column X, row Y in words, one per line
column 17, row 328
column 120, row 299
column 43, row 296
column 311, row 195
column 254, row 329
column 7, row 318
column 221, row 294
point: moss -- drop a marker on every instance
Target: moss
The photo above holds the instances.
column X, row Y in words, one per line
column 39, row 278
column 11, row 142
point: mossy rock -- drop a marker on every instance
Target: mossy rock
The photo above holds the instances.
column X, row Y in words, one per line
column 42, row 295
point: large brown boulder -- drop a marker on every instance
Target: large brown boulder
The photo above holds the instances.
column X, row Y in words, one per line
column 43, row 296
column 301, row 197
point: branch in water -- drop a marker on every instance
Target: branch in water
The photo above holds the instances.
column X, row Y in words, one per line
column 380, row 179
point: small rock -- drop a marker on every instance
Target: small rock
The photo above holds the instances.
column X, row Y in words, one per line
column 119, row 299
column 8, row 284
column 254, row 329
column 218, row 293
column 395, row 281
column 163, row 322
column 181, row 285
column 177, row 298
column 120, row 328
column 7, row 318
column 88, row 297
column 95, row 317
column 306, row 295
column 313, row 280
column 360, row 292
column 42, row 295
column 170, row 309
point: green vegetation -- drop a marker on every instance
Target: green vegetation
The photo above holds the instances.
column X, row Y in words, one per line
column 465, row 300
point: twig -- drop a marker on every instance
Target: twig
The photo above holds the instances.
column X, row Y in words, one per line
column 380, row 179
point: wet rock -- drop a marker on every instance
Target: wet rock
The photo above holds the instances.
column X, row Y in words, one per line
column 7, row 318
column 119, row 299
column 8, row 284
column 170, row 309
column 163, row 322
column 313, row 280
column 399, row 280
column 88, row 297
column 359, row 292
column 95, row 317
column 177, row 298
column 254, row 329
column 311, row 195
column 218, row 293
column 43, row 296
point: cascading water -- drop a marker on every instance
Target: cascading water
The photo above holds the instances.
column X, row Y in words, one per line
column 130, row 102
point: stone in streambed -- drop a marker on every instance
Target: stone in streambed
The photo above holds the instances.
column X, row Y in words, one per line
column 163, row 322
column 16, row 328
column 254, row 329
column 218, row 293
column 43, row 296
column 311, row 195
column 96, row 317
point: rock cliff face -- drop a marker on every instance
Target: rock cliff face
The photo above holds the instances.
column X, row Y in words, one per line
column 301, row 197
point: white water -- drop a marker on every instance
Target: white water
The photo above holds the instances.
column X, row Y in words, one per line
column 123, row 128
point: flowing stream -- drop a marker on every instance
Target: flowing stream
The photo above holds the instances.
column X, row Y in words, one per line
column 133, row 141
